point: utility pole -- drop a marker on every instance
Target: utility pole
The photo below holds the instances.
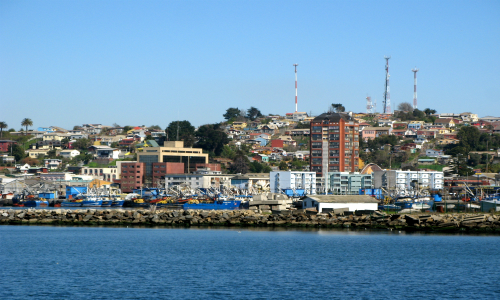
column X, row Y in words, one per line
column 295, row 65
column 415, row 70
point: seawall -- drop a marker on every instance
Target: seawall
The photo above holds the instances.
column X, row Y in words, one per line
column 456, row 222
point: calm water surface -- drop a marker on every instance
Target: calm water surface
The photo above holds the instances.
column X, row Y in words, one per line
column 44, row 262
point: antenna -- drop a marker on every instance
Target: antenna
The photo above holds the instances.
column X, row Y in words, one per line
column 295, row 65
column 415, row 70
column 369, row 105
column 387, row 93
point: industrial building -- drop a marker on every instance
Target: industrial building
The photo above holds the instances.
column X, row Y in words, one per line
column 328, row 203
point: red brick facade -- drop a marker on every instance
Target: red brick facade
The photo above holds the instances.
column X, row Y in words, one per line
column 132, row 176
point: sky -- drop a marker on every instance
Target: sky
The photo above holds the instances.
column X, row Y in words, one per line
column 67, row 63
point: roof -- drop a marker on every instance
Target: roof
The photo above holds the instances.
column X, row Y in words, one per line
column 334, row 117
column 343, row 199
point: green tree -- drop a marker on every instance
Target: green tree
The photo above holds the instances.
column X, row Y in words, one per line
column 26, row 122
column 211, row 138
column 283, row 166
column 256, row 167
column 17, row 152
column 3, row 125
column 338, row 107
column 253, row 113
column 127, row 128
column 154, row 127
column 82, row 144
column 240, row 164
column 429, row 111
column 405, row 106
column 231, row 113
column 181, row 131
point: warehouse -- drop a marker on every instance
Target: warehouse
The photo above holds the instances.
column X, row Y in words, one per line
column 327, row 203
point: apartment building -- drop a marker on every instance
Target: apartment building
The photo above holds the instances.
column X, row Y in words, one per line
column 279, row 180
column 334, row 144
column 132, row 176
column 408, row 180
column 347, row 183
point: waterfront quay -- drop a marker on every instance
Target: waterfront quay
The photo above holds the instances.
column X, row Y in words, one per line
column 455, row 222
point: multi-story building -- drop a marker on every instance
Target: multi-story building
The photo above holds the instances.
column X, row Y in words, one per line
column 280, row 180
column 407, row 181
column 161, row 169
column 347, row 183
column 203, row 178
column 132, row 176
column 172, row 151
column 334, row 144
column 108, row 174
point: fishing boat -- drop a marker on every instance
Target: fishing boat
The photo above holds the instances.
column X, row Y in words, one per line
column 72, row 203
column 107, row 202
column 91, row 201
column 36, row 203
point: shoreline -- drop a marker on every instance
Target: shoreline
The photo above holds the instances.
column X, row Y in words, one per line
column 451, row 223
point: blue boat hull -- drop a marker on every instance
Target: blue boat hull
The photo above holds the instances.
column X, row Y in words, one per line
column 91, row 203
column 107, row 203
column 71, row 204
column 222, row 205
column 117, row 203
column 36, row 203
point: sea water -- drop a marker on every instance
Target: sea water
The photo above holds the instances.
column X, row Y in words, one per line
column 49, row 262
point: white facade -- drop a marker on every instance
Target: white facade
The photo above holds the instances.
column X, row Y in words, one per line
column 433, row 152
column 351, row 205
column 107, row 174
column 419, row 179
column 69, row 153
column 52, row 163
column 213, row 179
column 293, row 180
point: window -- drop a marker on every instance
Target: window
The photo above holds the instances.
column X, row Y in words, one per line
column 334, row 144
column 316, row 145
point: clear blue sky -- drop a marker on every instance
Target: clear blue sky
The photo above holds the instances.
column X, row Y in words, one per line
column 66, row 63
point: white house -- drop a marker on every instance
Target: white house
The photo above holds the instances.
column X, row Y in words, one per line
column 325, row 203
column 433, row 152
column 107, row 152
column 70, row 153
column 52, row 163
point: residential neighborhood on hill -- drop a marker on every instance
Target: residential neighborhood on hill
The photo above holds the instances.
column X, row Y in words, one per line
column 334, row 142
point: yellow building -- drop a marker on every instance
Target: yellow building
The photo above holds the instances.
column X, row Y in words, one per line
column 172, row 151
column 239, row 125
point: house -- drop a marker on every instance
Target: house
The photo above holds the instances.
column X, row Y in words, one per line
column 427, row 134
column 69, row 153
column 35, row 153
column 108, row 152
column 416, row 125
column 52, row 163
column 327, row 203
column 239, row 125
column 261, row 158
column 447, row 141
column 369, row 133
column 5, row 144
column 445, row 122
column 433, row 152
column 7, row 159
column 55, row 136
column 277, row 143
column 50, row 145
column 92, row 128
column 300, row 132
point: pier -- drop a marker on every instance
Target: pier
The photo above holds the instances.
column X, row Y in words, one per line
column 454, row 222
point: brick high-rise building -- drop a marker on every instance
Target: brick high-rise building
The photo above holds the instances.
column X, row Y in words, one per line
column 132, row 176
column 334, row 144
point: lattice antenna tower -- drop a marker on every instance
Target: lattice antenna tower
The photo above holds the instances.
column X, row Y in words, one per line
column 415, row 70
column 387, row 92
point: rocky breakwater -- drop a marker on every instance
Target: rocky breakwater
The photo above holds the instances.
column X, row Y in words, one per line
column 375, row 220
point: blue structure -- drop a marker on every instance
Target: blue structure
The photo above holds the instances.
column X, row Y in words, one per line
column 47, row 195
column 377, row 193
column 74, row 191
